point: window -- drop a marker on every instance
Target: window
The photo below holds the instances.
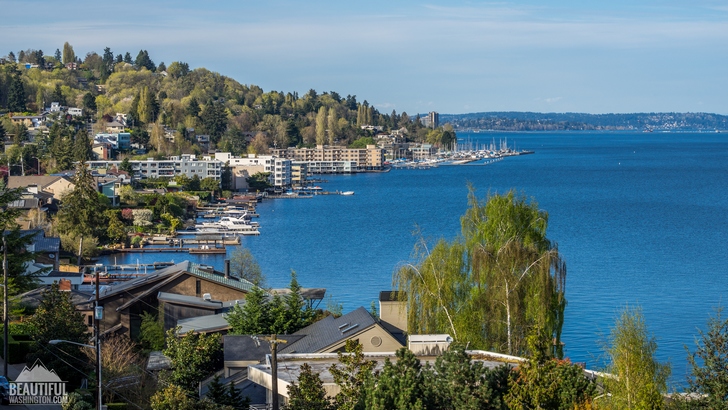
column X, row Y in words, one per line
column 198, row 287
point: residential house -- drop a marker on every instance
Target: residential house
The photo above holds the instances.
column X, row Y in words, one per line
column 102, row 150
column 83, row 301
column 118, row 140
column 76, row 112
column 125, row 302
column 30, row 121
column 114, row 127
column 53, row 184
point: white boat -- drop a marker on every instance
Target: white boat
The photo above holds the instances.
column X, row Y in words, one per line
column 347, row 193
column 227, row 223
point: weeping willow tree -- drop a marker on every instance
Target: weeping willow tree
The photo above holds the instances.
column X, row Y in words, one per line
column 495, row 284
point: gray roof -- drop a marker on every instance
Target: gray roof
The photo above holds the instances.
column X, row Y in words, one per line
column 203, row 324
column 30, row 203
column 43, row 244
column 330, row 330
column 34, row 297
column 172, row 271
column 186, row 300
column 252, row 348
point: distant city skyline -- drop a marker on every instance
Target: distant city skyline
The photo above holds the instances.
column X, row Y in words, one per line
column 451, row 57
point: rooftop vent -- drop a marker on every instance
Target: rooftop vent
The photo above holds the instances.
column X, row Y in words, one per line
column 349, row 328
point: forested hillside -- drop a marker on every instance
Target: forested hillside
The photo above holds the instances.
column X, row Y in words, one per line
column 160, row 98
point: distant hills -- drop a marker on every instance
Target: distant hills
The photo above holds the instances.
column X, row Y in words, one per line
column 534, row 121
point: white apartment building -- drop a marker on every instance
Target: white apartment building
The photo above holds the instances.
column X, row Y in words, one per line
column 188, row 165
column 279, row 168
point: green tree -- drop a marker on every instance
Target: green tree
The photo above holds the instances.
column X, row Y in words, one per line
column 353, row 374
column 214, row 120
column 147, row 107
column 194, row 357
column 82, row 210
column 299, row 313
column 115, row 230
column 308, row 393
column 226, row 396
column 259, row 181
column 68, row 55
column 143, row 60
column 19, row 280
column 362, row 142
column 253, row 317
column 400, row 385
column 455, row 382
column 321, row 126
column 89, row 102
column 639, row 379
column 57, row 318
column 709, row 365
column 82, row 146
column 492, row 286
column 172, row 397
column 58, row 96
column 16, row 92
column 547, row 383
column 209, row 184
column 151, row 334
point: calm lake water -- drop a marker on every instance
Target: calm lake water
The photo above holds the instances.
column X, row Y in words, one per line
column 641, row 219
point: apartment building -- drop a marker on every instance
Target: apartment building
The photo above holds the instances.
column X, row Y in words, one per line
column 334, row 159
column 279, row 168
column 188, row 165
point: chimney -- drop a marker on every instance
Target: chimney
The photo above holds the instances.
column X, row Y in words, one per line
column 393, row 311
column 227, row 268
column 64, row 285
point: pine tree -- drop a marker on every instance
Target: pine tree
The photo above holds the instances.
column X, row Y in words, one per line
column 399, row 385
column 127, row 58
column 253, row 317
column 354, row 373
column 16, row 92
column 709, row 364
column 308, row 393
column 56, row 318
column 82, row 212
column 58, row 56
column 82, row 146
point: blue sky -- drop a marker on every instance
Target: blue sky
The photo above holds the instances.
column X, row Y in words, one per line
column 451, row 57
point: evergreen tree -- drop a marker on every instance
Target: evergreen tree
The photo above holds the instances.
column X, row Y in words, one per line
column 544, row 382
column 82, row 146
column 58, row 96
column 308, row 393
column 3, row 134
column 216, row 391
column 11, row 57
column 108, row 58
column 253, row 317
column 354, row 373
column 58, row 56
column 709, row 365
column 193, row 108
column 56, row 318
column 399, row 385
column 16, row 92
column 161, row 67
column 82, row 211
column 214, row 120
column 119, row 59
column 127, row 58
column 456, row 382
column 18, row 256
column 143, row 60
column 299, row 313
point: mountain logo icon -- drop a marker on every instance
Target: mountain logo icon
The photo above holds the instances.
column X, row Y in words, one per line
column 38, row 373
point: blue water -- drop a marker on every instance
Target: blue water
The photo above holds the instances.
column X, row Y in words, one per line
column 641, row 219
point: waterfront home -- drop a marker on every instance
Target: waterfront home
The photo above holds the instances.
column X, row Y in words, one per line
column 125, row 302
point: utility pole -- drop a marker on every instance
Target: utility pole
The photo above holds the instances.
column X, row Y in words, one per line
column 5, row 307
column 274, row 341
column 98, row 315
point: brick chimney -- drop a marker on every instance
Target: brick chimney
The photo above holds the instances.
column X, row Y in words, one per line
column 64, row 285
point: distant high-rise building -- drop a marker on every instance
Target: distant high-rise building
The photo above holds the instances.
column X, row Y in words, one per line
column 433, row 119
